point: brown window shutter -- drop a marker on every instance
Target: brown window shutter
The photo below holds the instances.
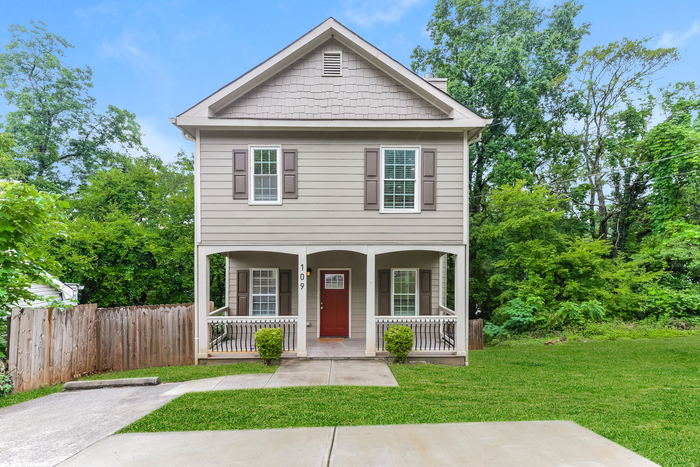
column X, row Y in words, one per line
column 243, row 292
column 425, row 298
column 429, row 177
column 285, row 308
column 240, row 174
column 384, row 292
column 372, row 179
column 289, row 174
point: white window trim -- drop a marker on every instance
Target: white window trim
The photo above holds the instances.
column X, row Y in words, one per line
column 323, row 65
column 417, row 195
column 416, row 312
column 277, row 291
column 251, row 171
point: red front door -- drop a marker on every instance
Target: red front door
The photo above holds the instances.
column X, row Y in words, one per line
column 335, row 304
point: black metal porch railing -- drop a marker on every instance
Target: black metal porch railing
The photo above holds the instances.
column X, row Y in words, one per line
column 431, row 334
column 238, row 335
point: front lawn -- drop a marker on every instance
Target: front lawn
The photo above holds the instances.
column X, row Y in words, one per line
column 175, row 374
column 643, row 394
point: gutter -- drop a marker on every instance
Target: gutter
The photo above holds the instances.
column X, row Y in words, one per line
column 184, row 133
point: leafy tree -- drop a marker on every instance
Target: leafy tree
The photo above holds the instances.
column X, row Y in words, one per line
column 7, row 160
column 536, row 258
column 131, row 239
column 675, row 180
column 29, row 219
column 509, row 60
column 608, row 79
column 61, row 139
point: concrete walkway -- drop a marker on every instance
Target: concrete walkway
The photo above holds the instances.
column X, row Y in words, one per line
column 299, row 373
column 525, row 444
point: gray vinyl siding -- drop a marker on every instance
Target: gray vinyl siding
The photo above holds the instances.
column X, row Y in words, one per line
column 260, row 260
column 301, row 92
column 46, row 293
column 412, row 260
column 330, row 204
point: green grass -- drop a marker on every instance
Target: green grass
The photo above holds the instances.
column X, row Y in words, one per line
column 167, row 374
column 12, row 399
column 173, row 374
column 643, row 394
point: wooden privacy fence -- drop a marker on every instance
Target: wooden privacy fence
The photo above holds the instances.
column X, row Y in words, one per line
column 476, row 334
column 49, row 345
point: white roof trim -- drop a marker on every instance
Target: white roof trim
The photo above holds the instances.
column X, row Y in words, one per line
column 63, row 288
column 329, row 28
column 188, row 124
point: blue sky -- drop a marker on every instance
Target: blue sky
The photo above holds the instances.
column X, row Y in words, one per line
column 158, row 58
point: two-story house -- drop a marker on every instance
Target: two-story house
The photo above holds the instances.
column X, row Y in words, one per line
column 334, row 180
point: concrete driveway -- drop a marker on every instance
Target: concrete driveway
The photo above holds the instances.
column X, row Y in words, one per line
column 525, row 444
column 50, row 429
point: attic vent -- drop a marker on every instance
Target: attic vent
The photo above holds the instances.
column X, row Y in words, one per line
column 332, row 63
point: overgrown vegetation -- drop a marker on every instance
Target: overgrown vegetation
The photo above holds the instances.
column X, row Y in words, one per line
column 642, row 394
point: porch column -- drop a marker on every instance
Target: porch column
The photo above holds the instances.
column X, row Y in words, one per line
column 371, row 328
column 201, row 310
column 301, row 303
column 461, row 302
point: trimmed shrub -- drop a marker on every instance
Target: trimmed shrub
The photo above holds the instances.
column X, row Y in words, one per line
column 399, row 341
column 269, row 342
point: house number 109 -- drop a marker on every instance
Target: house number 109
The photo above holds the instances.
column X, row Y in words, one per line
column 301, row 277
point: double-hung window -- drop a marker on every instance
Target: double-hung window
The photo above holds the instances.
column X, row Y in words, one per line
column 264, row 302
column 265, row 180
column 404, row 291
column 400, row 175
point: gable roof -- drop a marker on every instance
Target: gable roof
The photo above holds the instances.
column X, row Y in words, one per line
column 204, row 113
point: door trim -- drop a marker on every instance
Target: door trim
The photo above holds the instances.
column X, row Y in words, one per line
column 318, row 299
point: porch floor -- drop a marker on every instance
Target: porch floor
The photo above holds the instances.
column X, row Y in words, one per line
column 349, row 348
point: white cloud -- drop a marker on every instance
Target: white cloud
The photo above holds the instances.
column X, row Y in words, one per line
column 678, row 39
column 369, row 12
column 125, row 47
column 162, row 139
column 104, row 9
column 140, row 51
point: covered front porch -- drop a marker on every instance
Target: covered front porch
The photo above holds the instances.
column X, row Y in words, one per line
column 333, row 302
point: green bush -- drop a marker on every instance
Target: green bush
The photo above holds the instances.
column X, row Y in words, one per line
column 399, row 341
column 518, row 315
column 493, row 331
column 269, row 342
column 5, row 384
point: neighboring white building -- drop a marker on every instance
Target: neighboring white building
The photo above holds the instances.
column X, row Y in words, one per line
column 54, row 289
